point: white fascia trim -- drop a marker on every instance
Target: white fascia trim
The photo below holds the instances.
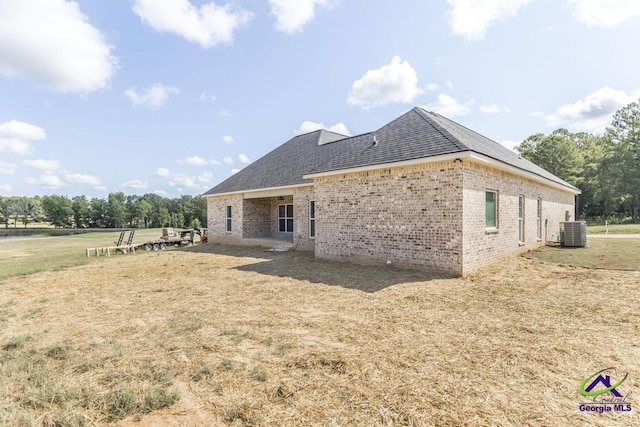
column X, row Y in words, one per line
column 523, row 173
column 412, row 162
column 253, row 194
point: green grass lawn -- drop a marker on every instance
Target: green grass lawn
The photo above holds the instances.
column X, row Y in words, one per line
column 28, row 255
column 614, row 229
column 611, row 254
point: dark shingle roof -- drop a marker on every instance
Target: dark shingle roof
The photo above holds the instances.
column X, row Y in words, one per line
column 285, row 165
column 483, row 145
column 419, row 134
column 414, row 135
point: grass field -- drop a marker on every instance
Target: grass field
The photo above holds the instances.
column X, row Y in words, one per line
column 28, row 255
column 614, row 229
column 214, row 335
column 611, row 254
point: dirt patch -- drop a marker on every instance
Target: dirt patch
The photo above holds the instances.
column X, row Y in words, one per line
column 244, row 337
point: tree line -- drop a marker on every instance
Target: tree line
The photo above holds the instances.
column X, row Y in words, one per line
column 116, row 211
column 605, row 167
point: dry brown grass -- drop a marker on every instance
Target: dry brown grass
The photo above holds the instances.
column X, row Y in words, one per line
column 247, row 337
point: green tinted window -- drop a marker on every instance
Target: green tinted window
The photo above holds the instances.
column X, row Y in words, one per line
column 490, row 209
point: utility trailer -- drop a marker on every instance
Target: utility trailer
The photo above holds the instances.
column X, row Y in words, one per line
column 171, row 237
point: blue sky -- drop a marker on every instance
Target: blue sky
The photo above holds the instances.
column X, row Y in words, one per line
column 173, row 96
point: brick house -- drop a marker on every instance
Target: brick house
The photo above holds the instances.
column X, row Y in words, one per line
column 422, row 191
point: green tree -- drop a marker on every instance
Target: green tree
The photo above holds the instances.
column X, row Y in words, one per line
column 157, row 203
column 7, row 207
column 624, row 157
column 28, row 209
column 81, row 211
column 559, row 153
column 164, row 217
column 116, row 210
column 98, row 211
column 58, row 210
column 143, row 212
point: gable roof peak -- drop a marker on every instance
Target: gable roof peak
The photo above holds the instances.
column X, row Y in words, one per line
column 322, row 136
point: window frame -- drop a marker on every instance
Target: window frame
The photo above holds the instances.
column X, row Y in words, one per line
column 229, row 220
column 539, row 218
column 312, row 219
column 521, row 218
column 288, row 220
column 495, row 225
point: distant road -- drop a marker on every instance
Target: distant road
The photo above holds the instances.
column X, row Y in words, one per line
column 614, row 236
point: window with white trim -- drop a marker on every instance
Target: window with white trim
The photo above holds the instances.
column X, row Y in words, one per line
column 539, row 218
column 285, row 218
column 491, row 209
column 521, row 218
column 312, row 218
column 228, row 222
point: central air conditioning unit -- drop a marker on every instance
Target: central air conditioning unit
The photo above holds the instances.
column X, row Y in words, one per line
column 573, row 234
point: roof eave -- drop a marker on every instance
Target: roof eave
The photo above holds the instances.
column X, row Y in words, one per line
column 498, row 164
column 260, row 190
column 480, row 158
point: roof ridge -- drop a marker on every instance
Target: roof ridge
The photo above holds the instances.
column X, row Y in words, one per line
column 308, row 133
column 321, row 130
column 341, row 151
column 469, row 129
column 455, row 141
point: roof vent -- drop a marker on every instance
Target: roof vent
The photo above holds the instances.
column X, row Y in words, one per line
column 375, row 141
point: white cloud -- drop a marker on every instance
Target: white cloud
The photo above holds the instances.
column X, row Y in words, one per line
column 307, row 126
column 227, row 139
column 214, row 162
column 81, row 179
column 162, row 193
column 593, row 112
column 50, row 182
column 448, row 106
column 244, row 159
column 510, row 144
column 162, row 172
column 234, row 171
column 183, row 179
column 205, row 177
column 43, row 164
column 431, row 87
column 208, row 97
column 15, row 146
column 16, row 137
column 494, row 109
column 292, row 15
column 154, row 96
column 471, row 18
column 21, row 130
column 7, row 168
column 53, row 43
column 224, row 113
column 396, row 82
column 208, row 25
column 228, row 160
column 604, row 13
column 5, row 188
column 194, row 161
column 136, row 184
